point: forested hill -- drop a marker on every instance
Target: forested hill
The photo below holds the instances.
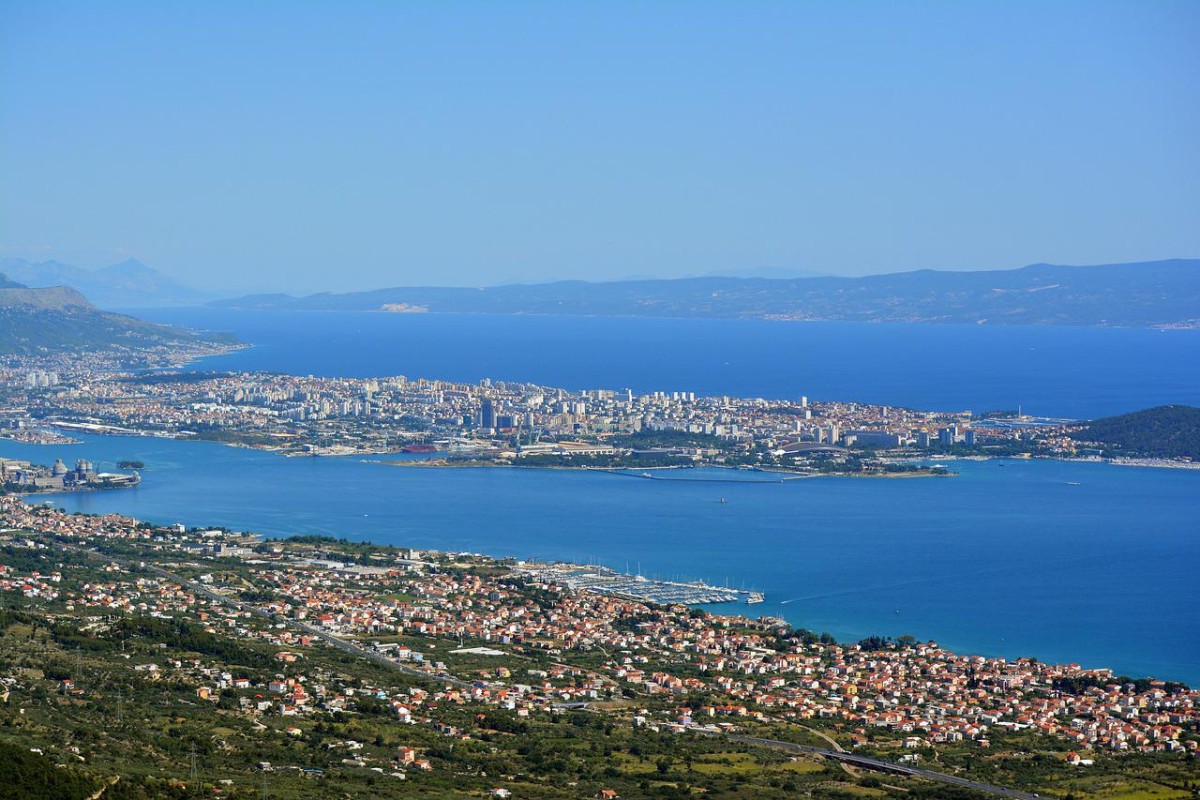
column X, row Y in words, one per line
column 1163, row 432
column 1160, row 293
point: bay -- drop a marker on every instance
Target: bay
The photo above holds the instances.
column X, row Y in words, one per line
column 1010, row 561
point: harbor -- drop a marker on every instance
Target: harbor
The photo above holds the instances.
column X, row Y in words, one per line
column 604, row 580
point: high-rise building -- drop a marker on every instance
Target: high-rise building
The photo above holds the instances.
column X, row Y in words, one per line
column 487, row 415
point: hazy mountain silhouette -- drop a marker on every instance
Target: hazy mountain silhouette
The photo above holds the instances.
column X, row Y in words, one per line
column 128, row 284
column 59, row 319
column 1153, row 293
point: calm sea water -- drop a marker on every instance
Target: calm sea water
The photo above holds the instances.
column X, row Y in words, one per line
column 1006, row 560
column 1052, row 371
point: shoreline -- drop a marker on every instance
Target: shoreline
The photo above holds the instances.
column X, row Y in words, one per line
column 1159, row 463
column 499, row 552
column 343, row 452
column 786, row 476
column 732, row 317
column 611, row 574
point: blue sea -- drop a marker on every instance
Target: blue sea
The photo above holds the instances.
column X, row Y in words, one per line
column 1049, row 371
column 1011, row 560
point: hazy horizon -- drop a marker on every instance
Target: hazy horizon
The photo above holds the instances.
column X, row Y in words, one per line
column 358, row 146
column 768, row 273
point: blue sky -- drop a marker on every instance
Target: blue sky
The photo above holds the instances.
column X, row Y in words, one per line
column 344, row 145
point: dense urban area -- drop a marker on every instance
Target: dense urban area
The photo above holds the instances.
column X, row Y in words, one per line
column 517, row 423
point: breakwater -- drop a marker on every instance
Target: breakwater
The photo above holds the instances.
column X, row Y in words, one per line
column 603, row 580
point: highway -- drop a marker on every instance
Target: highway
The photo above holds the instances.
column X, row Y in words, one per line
column 884, row 766
column 876, row 764
column 842, row 756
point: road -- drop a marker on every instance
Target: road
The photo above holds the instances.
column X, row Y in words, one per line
column 336, row 641
column 883, row 766
column 839, row 755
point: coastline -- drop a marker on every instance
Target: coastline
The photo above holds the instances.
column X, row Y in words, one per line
column 607, row 581
column 37, row 436
column 345, row 451
column 1158, row 463
column 445, row 463
column 786, row 318
column 495, row 489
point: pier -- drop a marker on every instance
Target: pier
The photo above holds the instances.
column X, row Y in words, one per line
column 603, row 580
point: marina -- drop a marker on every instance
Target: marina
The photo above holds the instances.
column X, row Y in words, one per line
column 603, row 580
column 835, row 555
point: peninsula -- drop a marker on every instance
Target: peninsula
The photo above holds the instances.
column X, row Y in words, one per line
column 500, row 423
column 493, row 423
column 56, row 327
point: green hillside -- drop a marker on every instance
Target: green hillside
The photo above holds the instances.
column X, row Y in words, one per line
column 1163, row 432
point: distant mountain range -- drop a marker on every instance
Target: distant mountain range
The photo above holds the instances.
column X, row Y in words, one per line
column 129, row 284
column 1157, row 293
column 60, row 320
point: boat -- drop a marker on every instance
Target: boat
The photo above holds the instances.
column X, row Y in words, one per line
column 754, row 597
column 722, row 501
column 1072, row 483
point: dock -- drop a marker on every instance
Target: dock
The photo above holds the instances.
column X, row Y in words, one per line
column 603, row 580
